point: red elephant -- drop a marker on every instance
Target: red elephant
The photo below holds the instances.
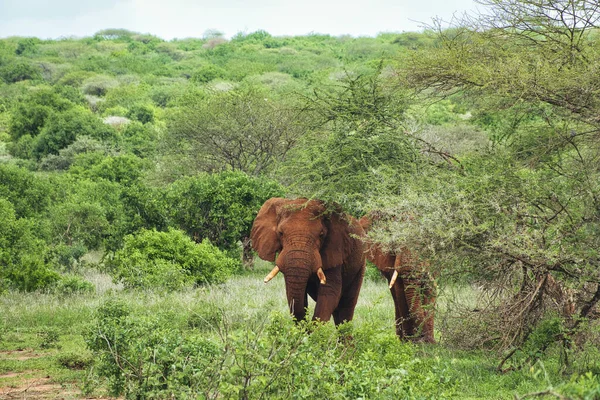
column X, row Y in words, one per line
column 320, row 252
column 411, row 285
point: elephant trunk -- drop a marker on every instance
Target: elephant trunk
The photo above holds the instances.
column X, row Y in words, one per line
column 297, row 267
column 296, row 281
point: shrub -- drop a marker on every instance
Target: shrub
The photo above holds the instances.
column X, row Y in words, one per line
column 140, row 139
column 207, row 73
column 49, row 338
column 170, row 260
column 142, row 113
column 72, row 360
column 64, row 128
column 73, row 284
column 30, row 114
column 126, row 168
column 145, row 356
column 220, row 207
column 19, row 71
column 27, row 46
column 67, row 256
column 99, row 85
column 67, row 156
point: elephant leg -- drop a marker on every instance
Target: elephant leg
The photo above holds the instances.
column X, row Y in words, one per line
column 312, row 288
column 429, row 297
column 421, row 300
column 345, row 309
column 413, row 294
column 402, row 321
column 329, row 294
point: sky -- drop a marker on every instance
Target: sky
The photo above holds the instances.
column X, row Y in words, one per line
column 169, row 19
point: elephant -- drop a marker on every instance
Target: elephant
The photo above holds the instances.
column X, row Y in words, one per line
column 320, row 253
column 412, row 287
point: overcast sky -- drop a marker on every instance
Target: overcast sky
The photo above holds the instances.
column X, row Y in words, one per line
column 170, row 19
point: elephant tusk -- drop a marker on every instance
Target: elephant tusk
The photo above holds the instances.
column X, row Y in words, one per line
column 394, row 277
column 321, row 276
column 272, row 274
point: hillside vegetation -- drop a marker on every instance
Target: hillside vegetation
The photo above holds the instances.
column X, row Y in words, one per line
column 131, row 170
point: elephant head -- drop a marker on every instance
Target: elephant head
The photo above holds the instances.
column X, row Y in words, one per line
column 316, row 252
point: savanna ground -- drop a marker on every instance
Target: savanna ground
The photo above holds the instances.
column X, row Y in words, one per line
column 43, row 351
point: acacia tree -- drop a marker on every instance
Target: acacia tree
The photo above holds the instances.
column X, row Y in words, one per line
column 524, row 218
column 241, row 130
column 358, row 134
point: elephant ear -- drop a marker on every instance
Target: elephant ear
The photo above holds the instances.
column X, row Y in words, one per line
column 264, row 229
column 339, row 243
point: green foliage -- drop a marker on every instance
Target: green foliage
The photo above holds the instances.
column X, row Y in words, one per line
column 67, row 156
column 49, row 338
column 220, row 207
column 125, row 168
column 28, row 193
column 170, row 260
column 360, row 138
column 142, row 113
column 32, row 111
column 581, row 387
column 140, row 139
column 73, row 284
column 142, row 355
column 64, row 128
column 88, row 213
column 67, row 257
column 73, row 360
column 27, row 46
column 23, row 257
column 19, row 70
column 241, row 129
column 207, row 73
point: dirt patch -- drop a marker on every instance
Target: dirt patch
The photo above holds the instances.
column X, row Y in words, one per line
column 37, row 388
column 20, row 355
column 10, row 375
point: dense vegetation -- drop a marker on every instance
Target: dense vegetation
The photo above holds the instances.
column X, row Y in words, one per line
column 146, row 160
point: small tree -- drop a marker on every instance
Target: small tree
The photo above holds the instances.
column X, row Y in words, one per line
column 151, row 259
column 241, row 130
column 220, row 207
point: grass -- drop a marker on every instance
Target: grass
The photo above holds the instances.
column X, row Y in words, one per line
column 41, row 335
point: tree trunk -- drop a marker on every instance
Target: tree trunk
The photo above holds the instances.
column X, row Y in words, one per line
column 247, row 254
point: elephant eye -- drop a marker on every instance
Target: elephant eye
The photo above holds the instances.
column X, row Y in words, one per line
column 322, row 233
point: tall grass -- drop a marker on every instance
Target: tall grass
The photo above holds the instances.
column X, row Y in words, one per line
column 244, row 304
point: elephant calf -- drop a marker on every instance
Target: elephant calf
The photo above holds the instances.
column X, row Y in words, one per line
column 411, row 285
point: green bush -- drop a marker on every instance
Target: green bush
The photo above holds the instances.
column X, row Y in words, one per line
column 88, row 214
column 49, row 338
column 73, row 284
column 63, row 129
column 24, row 258
column 66, row 256
column 125, row 168
column 140, row 139
column 207, row 73
column 29, row 114
column 73, row 360
column 99, row 85
column 220, row 207
column 145, row 356
column 27, row 192
column 19, row 70
column 142, row 113
column 169, row 260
